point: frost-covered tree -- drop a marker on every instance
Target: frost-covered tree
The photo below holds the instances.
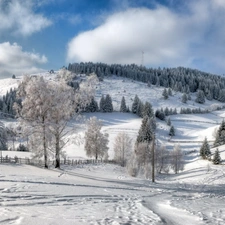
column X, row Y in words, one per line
column 35, row 110
column 177, row 162
column 172, row 131
column 135, row 104
column 102, row 104
column 200, row 97
column 216, row 158
column 3, row 137
column 162, row 160
column 165, row 94
column 45, row 110
column 122, row 148
column 148, row 110
column 123, row 107
column 184, row 98
column 95, row 141
column 92, row 106
column 220, row 135
column 205, row 152
column 108, row 106
column 169, row 121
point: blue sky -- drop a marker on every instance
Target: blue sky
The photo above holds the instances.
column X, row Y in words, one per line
column 38, row 35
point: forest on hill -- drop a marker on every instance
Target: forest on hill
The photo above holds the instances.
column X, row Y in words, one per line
column 179, row 79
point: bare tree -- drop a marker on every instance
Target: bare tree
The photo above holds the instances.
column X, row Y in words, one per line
column 95, row 141
column 177, row 162
column 122, row 148
column 162, row 160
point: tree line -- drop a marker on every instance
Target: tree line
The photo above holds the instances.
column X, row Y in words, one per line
column 179, row 79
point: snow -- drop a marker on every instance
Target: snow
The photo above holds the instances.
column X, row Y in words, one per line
column 105, row 193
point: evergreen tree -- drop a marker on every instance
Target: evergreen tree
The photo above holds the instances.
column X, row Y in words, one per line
column 3, row 137
column 123, row 107
column 102, row 104
column 170, row 92
column 140, row 109
column 169, row 122
column 172, row 131
column 165, row 94
column 135, row 104
column 205, row 152
column 92, row 106
column 148, row 110
column 216, row 158
column 200, row 97
column 220, row 136
column 108, row 104
column 184, row 98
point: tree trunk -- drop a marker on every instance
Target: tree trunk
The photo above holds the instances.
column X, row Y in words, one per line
column 153, row 159
column 57, row 152
column 44, row 144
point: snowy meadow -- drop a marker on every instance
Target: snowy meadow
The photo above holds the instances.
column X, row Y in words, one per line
column 105, row 193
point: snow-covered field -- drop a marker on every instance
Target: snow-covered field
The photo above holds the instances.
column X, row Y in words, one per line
column 105, row 193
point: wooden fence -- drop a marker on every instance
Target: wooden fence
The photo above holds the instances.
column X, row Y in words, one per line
column 40, row 162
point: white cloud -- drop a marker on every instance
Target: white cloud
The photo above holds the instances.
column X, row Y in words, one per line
column 13, row 60
column 188, row 37
column 18, row 17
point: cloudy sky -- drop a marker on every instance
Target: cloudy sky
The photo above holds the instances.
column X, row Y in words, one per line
column 38, row 35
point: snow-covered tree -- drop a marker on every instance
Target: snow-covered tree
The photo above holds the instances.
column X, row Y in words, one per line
column 165, row 94
column 92, row 106
column 135, row 104
column 123, row 107
column 148, row 110
column 122, row 148
column 3, row 137
column 102, row 104
column 184, row 98
column 95, row 141
column 200, row 97
column 36, row 109
column 45, row 110
column 162, row 160
column 205, row 152
column 177, row 162
column 216, row 158
column 172, row 131
column 108, row 104
column 220, row 135
column 168, row 121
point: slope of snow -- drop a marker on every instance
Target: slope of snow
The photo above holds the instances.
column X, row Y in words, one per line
column 106, row 194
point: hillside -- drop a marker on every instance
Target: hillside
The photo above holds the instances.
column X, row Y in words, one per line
column 105, row 193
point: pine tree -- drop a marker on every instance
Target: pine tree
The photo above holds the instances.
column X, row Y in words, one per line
column 205, row 152
column 172, row 131
column 170, row 92
column 135, row 104
column 3, row 137
column 216, row 158
column 148, row 110
column 169, row 122
column 108, row 107
column 165, row 94
column 184, row 98
column 123, row 107
column 200, row 97
column 220, row 136
column 102, row 104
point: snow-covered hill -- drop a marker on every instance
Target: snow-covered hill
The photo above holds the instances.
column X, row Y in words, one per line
column 105, row 194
